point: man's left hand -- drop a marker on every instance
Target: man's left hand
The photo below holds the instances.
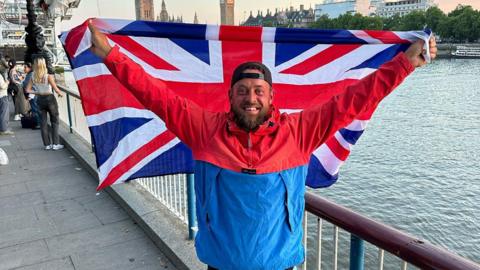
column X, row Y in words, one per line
column 415, row 51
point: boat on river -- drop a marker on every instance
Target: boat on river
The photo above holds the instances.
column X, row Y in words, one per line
column 466, row 52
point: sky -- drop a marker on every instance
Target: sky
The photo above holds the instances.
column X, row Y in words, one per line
column 208, row 11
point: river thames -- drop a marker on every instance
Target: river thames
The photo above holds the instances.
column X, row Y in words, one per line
column 416, row 167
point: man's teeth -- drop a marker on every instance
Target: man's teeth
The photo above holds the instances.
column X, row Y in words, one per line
column 250, row 109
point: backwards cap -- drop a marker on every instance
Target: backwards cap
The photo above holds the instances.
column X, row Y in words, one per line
column 239, row 74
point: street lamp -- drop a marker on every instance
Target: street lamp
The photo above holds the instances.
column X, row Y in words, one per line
column 35, row 40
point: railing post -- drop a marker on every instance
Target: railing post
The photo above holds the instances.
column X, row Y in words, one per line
column 192, row 220
column 357, row 253
column 69, row 113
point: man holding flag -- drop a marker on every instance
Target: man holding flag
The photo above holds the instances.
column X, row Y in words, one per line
column 251, row 162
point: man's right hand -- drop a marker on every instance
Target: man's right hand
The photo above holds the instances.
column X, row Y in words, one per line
column 100, row 45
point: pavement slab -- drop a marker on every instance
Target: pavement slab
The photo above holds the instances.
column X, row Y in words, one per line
column 52, row 217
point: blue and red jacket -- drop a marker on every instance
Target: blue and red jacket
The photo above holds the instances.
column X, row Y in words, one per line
column 250, row 186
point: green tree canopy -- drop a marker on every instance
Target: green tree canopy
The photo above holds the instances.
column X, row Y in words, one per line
column 433, row 17
column 460, row 25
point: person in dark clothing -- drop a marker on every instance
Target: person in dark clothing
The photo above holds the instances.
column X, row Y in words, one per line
column 32, row 98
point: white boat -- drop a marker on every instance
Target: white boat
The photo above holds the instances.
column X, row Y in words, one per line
column 466, row 52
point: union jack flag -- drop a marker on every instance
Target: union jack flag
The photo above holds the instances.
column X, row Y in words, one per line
column 196, row 61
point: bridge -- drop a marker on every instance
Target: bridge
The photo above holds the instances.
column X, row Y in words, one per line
column 53, row 218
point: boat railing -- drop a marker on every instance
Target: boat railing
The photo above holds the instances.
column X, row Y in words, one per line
column 176, row 193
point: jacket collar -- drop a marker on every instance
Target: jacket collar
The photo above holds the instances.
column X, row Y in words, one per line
column 269, row 126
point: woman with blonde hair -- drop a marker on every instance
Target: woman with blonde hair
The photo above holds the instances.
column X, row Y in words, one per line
column 41, row 84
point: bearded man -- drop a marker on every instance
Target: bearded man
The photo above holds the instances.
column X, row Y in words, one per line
column 251, row 162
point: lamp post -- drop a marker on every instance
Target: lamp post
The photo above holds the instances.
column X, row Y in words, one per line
column 35, row 40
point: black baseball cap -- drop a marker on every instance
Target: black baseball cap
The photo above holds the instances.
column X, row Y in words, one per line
column 239, row 73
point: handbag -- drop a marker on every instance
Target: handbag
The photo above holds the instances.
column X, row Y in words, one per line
column 28, row 121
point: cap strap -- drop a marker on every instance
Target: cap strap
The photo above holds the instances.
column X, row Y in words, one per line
column 250, row 76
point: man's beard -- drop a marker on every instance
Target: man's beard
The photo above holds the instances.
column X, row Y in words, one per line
column 248, row 123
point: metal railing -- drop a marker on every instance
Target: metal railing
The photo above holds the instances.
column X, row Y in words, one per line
column 71, row 113
column 409, row 249
column 177, row 194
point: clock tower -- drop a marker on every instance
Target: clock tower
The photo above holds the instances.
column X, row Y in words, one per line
column 227, row 12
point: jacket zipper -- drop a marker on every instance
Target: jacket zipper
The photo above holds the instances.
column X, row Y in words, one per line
column 249, row 146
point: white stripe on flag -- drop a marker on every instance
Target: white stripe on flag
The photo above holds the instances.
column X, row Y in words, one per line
column 363, row 35
column 85, row 43
column 63, row 37
column 357, row 125
column 342, row 141
column 114, row 114
column 337, row 70
column 131, row 143
column 268, row 34
column 328, row 159
column 89, row 71
column 212, row 32
column 145, row 161
column 191, row 69
column 111, row 25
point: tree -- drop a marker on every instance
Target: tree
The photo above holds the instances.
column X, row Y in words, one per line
column 414, row 20
column 433, row 17
column 374, row 23
column 392, row 23
column 445, row 29
column 323, row 23
column 465, row 24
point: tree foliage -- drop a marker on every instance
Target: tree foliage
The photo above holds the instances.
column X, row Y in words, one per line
column 460, row 25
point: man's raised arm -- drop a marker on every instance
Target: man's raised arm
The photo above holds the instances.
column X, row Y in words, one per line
column 181, row 116
column 315, row 125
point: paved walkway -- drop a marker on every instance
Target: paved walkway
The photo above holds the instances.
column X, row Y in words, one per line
column 52, row 218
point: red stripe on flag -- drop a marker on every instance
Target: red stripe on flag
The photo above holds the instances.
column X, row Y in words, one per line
column 237, row 52
column 103, row 93
column 337, row 149
column 141, row 52
column 320, row 59
column 135, row 158
column 387, row 37
column 244, row 33
column 74, row 37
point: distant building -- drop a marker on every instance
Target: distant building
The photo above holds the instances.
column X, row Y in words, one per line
column 164, row 17
column 335, row 8
column 286, row 18
column 374, row 4
column 195, row 19
column 227, row 12
column 403, row 7
column 144, row 10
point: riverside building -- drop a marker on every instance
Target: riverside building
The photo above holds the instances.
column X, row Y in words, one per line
column 403, row 7
column 335, row 8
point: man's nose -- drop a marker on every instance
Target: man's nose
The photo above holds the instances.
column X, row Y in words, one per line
column 252, row 97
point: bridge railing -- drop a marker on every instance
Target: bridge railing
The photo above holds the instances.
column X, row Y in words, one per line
column 408, row 249
column 171, row 190
column 176, row 193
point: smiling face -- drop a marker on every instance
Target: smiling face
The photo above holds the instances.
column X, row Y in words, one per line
column 250, row 101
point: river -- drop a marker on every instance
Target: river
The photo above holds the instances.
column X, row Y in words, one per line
column 416, row 166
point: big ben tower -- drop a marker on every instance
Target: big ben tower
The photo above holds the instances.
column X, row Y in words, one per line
column 144, row 10
column 226, row 12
